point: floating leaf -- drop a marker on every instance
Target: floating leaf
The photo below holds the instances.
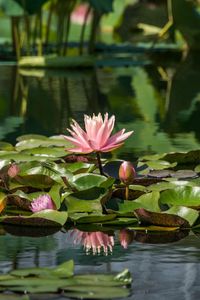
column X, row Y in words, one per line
column 35, row 143
column 159, row 164
column 6, row 146
column 87, row 180
column 91, row 218
column 160, row 219
column 85, row 201
column 191, row 157
column 46, row 217
column 63, row 270
column 182, row 196
column 184, row 174
column 186, row 213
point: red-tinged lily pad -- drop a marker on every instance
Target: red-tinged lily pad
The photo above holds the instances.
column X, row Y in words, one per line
column 160, row 219
column 18, row 201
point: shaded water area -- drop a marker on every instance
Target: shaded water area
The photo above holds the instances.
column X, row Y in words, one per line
column 161, row 103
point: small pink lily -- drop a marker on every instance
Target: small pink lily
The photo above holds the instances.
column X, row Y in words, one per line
column 41, row 203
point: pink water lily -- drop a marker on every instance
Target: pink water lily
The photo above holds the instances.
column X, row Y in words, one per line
column 41, row 203
column 97, row 135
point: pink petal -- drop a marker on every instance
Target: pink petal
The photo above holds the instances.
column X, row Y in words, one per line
column 111, row 147
column 80, row 150
column 119, row 137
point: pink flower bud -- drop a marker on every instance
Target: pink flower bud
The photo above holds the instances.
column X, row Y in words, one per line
column 127, row 172
column 13, row 170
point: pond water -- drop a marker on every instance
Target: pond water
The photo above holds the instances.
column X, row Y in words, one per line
column 160, row 269
column 161, row 103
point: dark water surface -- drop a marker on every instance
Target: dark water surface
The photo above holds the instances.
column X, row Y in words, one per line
column 161, row 103
column 159, row 271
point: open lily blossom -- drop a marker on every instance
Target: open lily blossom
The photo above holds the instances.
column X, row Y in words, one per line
column 97, row 135
column 41, row 203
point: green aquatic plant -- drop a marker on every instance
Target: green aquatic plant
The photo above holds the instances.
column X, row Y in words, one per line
column 44, row 185
column 61, row 279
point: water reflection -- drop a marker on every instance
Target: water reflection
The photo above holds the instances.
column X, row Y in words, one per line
column 159, row 102
column 159, row 267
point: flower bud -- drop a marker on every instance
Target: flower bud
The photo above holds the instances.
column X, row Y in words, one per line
column 127, row 172
column 13, row 170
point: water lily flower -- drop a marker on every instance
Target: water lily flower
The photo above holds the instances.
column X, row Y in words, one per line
column 97, row 135
column 127, row 172
column 41, row 203
column 94, row 241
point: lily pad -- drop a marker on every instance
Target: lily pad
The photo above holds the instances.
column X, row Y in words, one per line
column 160, row 219
column 87, row 180
column 182, row 196
column 46, row 217
column 85, row 201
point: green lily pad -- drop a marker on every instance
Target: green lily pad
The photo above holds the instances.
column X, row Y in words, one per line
column 186, row 213
column 182, row 196
column 46, row 217
column 47, row 168
column 54, row 152
column 148, row 201
column 35, row 143
column 91, row 218
column 64, row 270
column 158, row 164
column 6, row 146
column 85, row 201
column 87, row 181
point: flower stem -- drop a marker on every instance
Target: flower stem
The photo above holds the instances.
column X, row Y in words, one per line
column 99, row 163
column 127, row 192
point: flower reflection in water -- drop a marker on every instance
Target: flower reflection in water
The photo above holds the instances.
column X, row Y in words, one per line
column 94, row 242
column 126, row 237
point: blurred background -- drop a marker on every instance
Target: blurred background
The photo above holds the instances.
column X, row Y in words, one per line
column 136, row 59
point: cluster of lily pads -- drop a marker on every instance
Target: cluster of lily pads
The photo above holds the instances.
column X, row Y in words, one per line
column 165, row 194
column 61, row 279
